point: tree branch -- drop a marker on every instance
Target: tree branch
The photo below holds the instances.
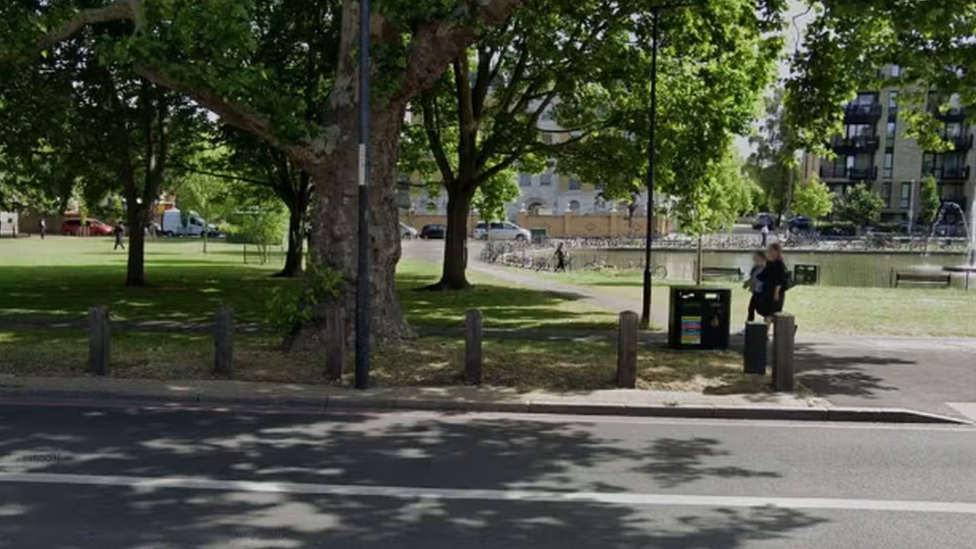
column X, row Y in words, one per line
column 230, row 111
column 121, row 10
column 436, row 44
column 434, row 135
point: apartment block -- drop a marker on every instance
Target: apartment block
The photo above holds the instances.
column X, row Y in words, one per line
column 875, row 150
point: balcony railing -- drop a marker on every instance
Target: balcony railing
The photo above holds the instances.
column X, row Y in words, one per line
column 854, row 111
column 961, row 142
column 854, row 174
column 856, row 143
column 946, row 172
column 950, row 114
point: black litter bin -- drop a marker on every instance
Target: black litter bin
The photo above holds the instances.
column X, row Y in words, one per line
column 700, row 318
column 806, row 275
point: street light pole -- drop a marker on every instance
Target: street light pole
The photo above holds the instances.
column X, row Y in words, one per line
column 651, row 150
column 362, row 281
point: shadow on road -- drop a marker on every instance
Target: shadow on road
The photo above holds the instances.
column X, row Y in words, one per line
column 850, row 375
column 355, row 449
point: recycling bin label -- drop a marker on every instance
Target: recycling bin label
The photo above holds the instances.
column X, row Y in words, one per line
column 691, row 330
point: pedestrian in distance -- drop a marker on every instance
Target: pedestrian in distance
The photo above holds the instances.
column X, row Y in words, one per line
column 765, row 235
column 755, row 285
column 119, row 233
column 560, row 259
column 42, row 226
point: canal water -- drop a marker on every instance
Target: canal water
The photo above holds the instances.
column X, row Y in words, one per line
column 859, row 269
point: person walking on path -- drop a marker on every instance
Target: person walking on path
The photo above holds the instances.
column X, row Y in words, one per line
column 560, row 259
column 765, row 235
column 754, row 285
column 775, row 282
column 42, row 226
column 119, row 233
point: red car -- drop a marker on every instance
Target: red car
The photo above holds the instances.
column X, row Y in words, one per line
column 73, row 227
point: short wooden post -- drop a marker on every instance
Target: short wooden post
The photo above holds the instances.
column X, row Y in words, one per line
column 472, row 347
column 627, row 350
column 335, row 344
column 224, row 343
column 99, row 341
column 784, row 332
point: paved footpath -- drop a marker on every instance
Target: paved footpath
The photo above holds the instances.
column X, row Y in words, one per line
column 927, row 374
column 101, row 478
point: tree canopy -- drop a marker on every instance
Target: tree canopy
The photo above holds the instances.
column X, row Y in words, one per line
column 852, row 45
column 715, row 62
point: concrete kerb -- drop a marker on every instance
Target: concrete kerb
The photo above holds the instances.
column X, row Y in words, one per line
column 365, row 402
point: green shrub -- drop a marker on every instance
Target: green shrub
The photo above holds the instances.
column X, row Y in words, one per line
column 291, row 307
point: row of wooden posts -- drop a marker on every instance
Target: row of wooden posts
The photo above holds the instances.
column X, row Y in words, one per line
column 99, row 350
column 627, row 340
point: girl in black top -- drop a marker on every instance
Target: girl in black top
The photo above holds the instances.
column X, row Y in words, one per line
column 774, row 282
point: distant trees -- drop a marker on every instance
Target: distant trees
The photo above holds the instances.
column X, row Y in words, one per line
column 861, row 206
column 929, row 202
column 813, row 199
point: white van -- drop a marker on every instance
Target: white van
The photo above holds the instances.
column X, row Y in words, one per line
column 172, row 224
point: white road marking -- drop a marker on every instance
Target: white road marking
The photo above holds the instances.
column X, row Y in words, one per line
column 967, row 409
column 537, row 496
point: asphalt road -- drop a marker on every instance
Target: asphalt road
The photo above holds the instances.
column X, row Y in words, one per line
column 91, row 478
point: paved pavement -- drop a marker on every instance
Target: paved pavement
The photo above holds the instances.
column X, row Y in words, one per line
column 94, row 478
column 927, row 374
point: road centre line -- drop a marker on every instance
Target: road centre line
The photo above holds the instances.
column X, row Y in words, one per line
column 532, row 496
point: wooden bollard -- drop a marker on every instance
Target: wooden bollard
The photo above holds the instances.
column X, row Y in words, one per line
column 472, row 348
column 784, row 346
column 627, row 350
column 99, row 341
column 335, row 345
column 224, row 343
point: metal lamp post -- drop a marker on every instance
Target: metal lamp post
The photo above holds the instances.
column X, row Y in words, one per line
column 651, row 159
column 362, row 282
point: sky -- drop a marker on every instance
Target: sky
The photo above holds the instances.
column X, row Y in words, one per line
column 799, row 18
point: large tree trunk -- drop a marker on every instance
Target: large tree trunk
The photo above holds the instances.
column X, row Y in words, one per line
column 296, row 238
column 136, row 268
column 453, row 276
column 335, row 228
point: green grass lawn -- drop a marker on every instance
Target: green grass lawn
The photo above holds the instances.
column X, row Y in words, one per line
column 63, row 277
column 825, row 310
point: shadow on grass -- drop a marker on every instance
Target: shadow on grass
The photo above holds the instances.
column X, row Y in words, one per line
column 502, row 306
column 358, row 449
column 553, row 366
column 178, row 289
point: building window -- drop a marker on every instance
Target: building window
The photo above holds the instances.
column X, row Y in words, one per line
column 545, row 180
column 906, row 196
column 534, row 208
column 886, row 193
column 574, row 206
column 889, row 164
column 895, row 71
column 953, row 130
column 892, row 100
column 890, row 134
column 575, row 184
column 525, row 180
column 860, row 130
